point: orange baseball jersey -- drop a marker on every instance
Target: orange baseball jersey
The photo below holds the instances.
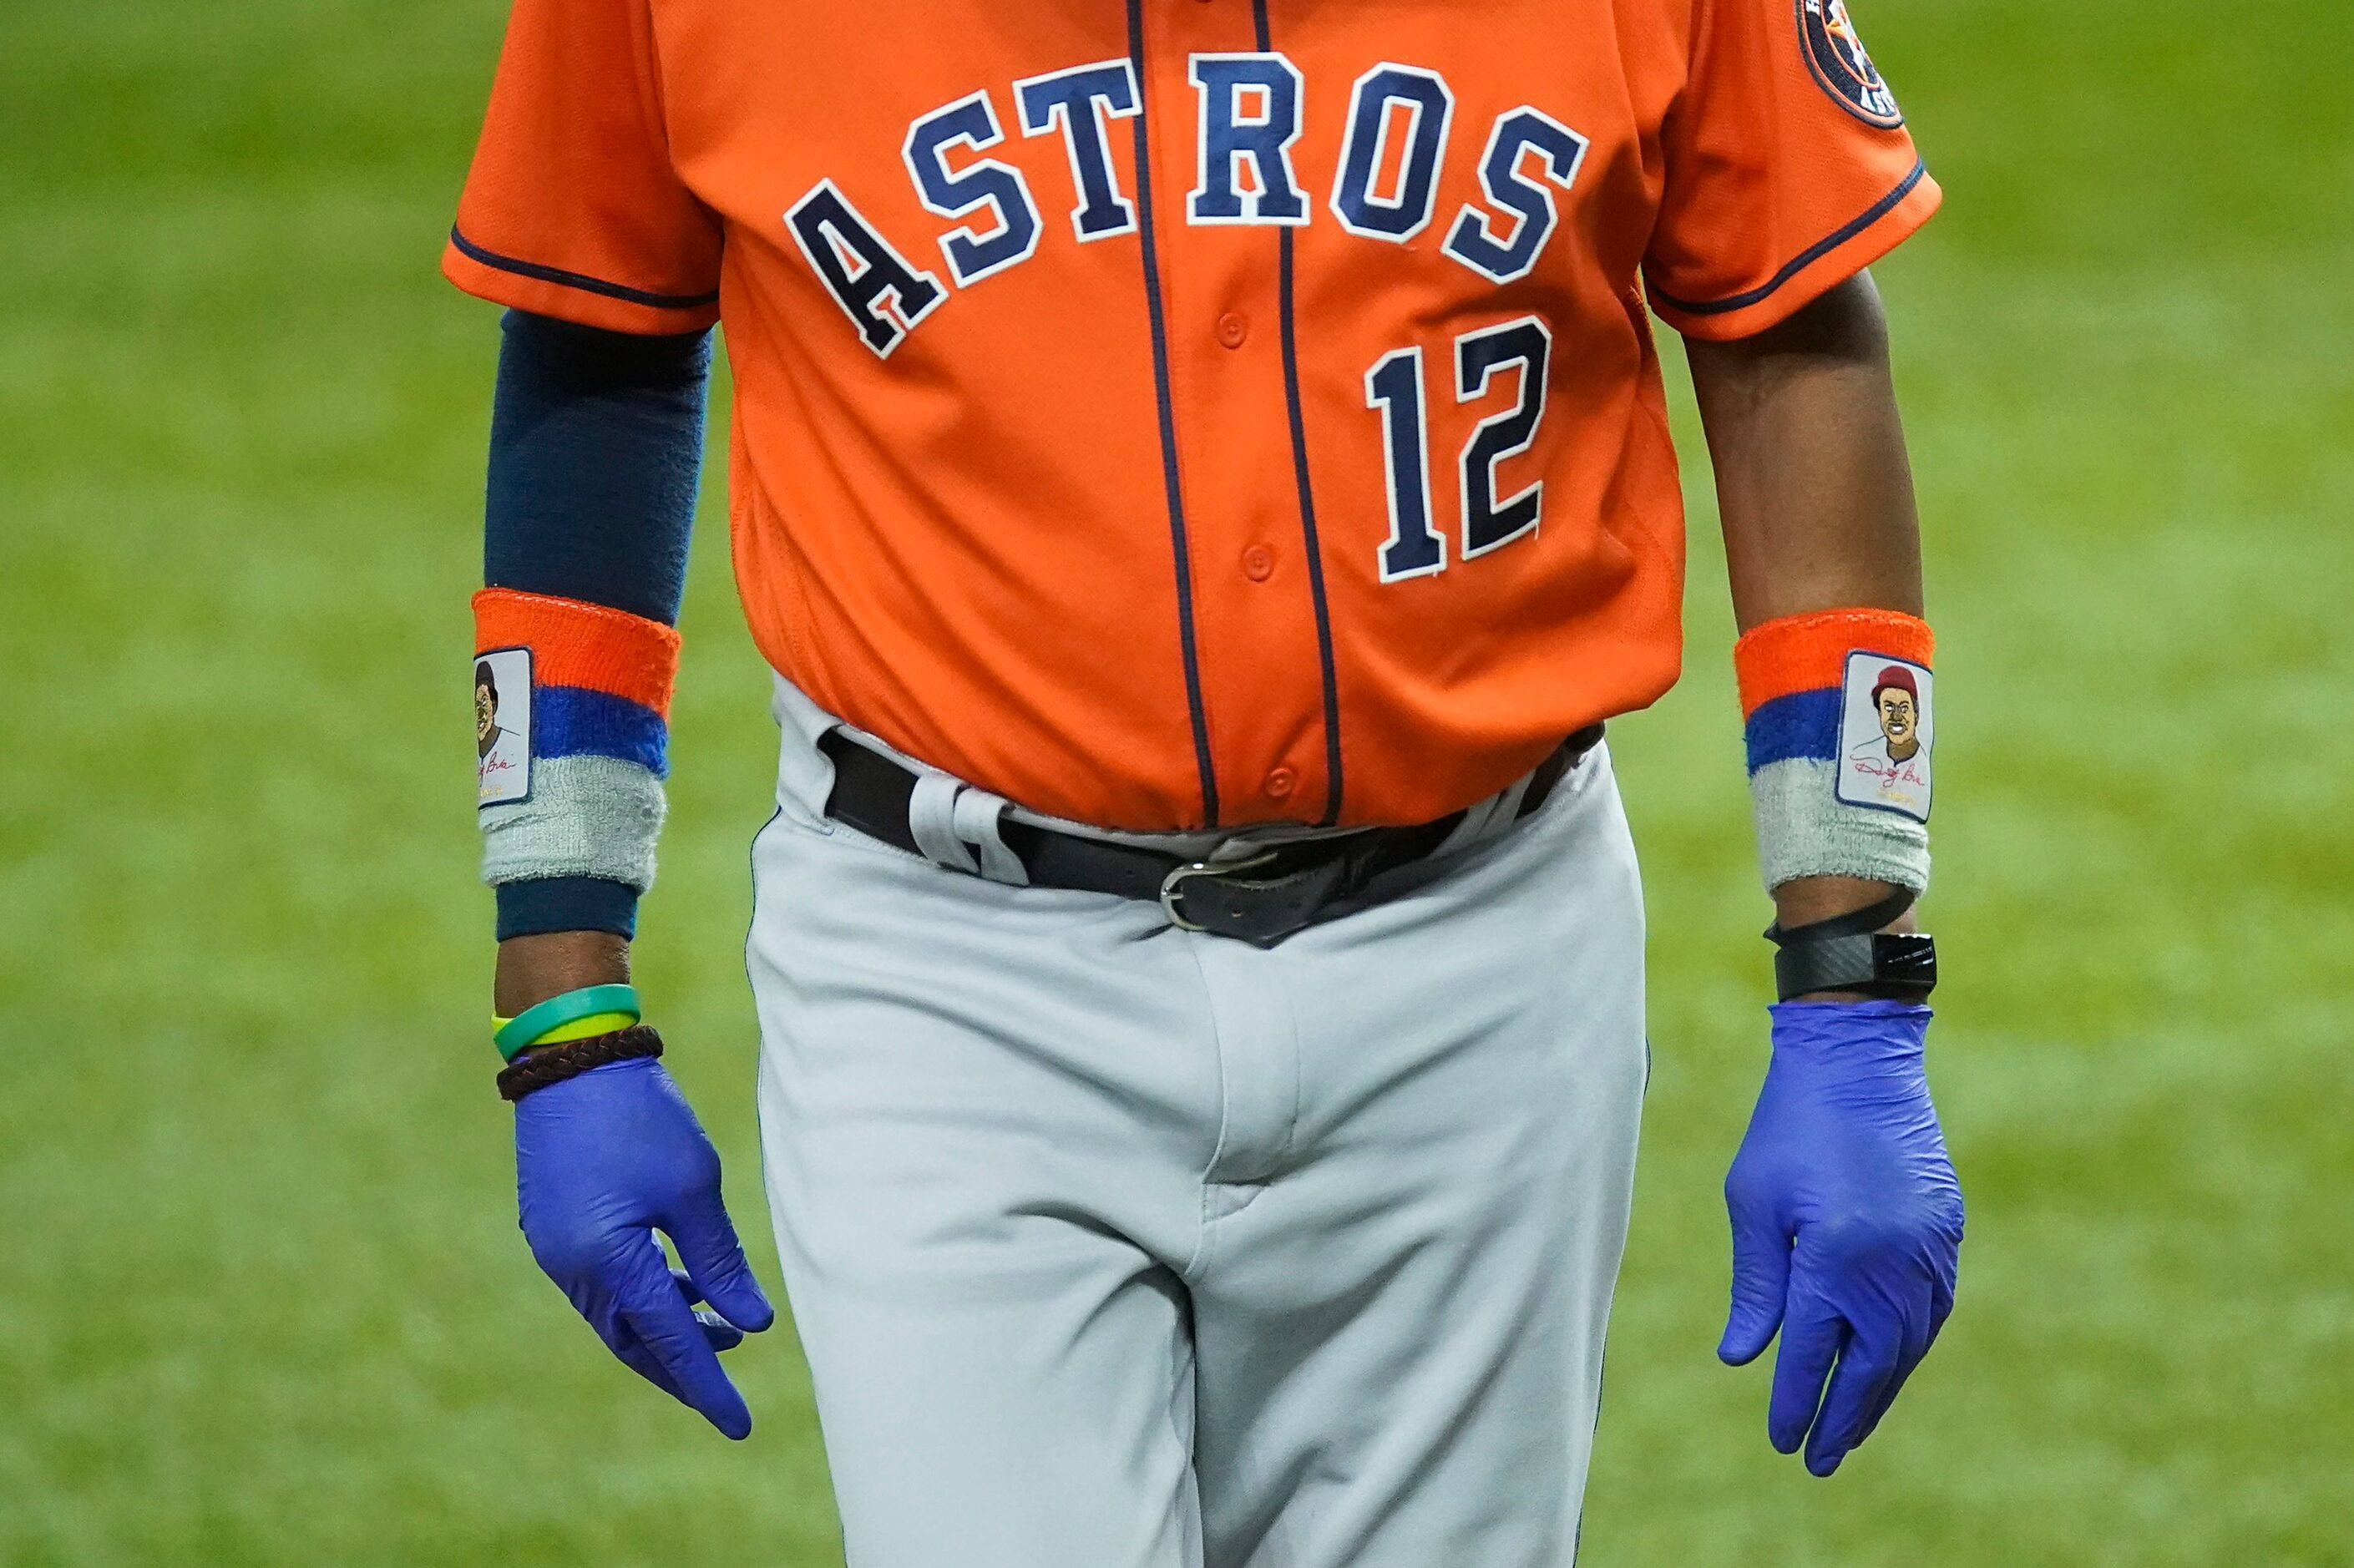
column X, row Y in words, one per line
column 1198, row 412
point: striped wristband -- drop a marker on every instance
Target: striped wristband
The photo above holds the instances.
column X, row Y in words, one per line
column 572, row 738
column 1837, row 723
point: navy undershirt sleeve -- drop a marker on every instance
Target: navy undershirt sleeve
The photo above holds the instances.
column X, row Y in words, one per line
column 596, row 455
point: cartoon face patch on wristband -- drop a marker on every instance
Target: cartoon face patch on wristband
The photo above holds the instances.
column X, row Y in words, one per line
column 503, row 726
column 1884, row 735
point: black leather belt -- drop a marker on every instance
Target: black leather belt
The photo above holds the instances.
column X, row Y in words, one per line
column 1262, row 899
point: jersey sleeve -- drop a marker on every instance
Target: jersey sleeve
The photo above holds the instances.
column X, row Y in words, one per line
column 573, row 208
column 1788, row 169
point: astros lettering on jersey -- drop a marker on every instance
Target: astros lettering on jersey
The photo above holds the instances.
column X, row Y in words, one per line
column 1201, row 412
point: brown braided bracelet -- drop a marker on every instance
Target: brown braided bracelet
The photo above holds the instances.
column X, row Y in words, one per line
column 538, row 1070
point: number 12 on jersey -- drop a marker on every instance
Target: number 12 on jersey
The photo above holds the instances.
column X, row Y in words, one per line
column 1394, row 389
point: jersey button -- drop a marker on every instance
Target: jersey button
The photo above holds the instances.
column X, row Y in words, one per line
column 1280, row 783
column 1259, row 563
column 1233, row 330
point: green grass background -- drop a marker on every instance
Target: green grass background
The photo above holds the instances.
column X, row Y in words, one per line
column 261, row 1299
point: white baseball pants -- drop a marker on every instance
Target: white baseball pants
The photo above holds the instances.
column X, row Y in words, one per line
column 1113, row 1245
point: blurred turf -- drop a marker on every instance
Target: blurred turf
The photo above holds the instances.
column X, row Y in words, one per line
column 263, row 1302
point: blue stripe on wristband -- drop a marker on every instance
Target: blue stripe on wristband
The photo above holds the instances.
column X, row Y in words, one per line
column 577, row 721
column 1799, row 725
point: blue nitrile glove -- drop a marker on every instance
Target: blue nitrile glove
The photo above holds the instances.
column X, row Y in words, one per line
column 1846, row 1222
column 602, row 1161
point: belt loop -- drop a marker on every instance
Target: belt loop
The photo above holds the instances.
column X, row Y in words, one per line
column 1485, row 819
column 976, row 816
column 949, row 820
column 931, row 821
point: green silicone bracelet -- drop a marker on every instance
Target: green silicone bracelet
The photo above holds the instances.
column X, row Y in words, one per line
column 534, row 1022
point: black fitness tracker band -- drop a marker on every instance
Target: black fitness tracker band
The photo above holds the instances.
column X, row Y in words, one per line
column 1851, row 952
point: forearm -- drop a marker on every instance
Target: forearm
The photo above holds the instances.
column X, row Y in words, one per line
column 596, row 448
column 1816, row 494
column 1813, row 483
column 1847, row 1219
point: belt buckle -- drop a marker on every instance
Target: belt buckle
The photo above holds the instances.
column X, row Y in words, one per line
column 1173, row 886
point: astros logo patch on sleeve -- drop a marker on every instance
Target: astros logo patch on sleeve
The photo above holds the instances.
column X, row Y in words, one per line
column 503, row 726
column 1884, row 735
column 1835, row 53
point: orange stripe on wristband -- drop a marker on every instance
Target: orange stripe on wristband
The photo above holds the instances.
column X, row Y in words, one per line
column 576, row 643
column 1809, row 652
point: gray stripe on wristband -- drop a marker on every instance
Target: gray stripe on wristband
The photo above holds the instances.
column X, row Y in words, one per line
column 1803, row 830
column 587, row 816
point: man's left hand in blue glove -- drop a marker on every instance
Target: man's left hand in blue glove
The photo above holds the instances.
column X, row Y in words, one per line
column 1846, row 1222
column 604, row 1159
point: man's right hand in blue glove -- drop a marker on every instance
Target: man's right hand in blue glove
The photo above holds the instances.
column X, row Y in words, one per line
column 602, row 1161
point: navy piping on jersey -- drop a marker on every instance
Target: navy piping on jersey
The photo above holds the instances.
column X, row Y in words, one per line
column 580, row 281
column 1202, row 765
column 1805, row 258
column 1331, row 690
